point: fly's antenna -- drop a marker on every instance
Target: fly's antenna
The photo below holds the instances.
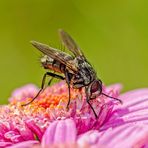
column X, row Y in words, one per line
column 112, row 97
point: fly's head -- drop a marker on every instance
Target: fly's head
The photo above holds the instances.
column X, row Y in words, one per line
column 94, row 89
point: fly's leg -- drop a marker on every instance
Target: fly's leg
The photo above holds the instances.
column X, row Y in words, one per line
column 112, row 98
column 67, row 77
column 50, row 81
column 53, row 75
column 88, row 99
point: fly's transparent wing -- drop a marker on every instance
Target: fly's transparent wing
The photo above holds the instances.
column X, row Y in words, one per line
column 70, row 43
column 55, row 54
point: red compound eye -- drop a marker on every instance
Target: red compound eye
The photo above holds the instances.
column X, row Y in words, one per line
column 96, row 86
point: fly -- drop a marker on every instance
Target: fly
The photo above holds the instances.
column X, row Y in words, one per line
column 76, row 70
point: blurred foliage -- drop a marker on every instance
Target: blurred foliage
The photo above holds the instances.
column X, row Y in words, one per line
column 113, row 35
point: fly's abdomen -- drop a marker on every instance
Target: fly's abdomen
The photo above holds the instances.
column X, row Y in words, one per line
column 49, row 63
column 58, row 67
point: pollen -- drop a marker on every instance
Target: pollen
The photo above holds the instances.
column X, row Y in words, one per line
column 46, row 101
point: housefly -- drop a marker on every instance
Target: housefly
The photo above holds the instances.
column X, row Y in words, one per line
column 75, row 69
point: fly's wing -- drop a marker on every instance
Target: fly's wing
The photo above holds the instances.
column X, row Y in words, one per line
column 70, row 43
column 55, row 54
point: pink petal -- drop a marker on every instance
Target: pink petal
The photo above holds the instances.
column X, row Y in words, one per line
column 62, row 131
column 4, row 144
column 20, row 94
column 90, row 138
column 130, row 95
column 13, row 136
column 128, row 136
column 127, row 126
column 34, row 128
column 116, row 87
column 48, row 136
column 134, row 97
column 133, row 110
column 25, row 132
column 3, row 130
column 25, row 144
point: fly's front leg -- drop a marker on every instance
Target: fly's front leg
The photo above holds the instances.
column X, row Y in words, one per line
column 88, row 99
column 68, row 78
column 53, row 75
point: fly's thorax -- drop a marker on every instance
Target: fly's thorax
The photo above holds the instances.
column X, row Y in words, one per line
column 85, row 74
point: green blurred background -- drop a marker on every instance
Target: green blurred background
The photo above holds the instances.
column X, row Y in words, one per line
column 113, row 35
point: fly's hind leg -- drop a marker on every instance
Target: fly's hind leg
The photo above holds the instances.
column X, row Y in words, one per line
column 53, row 75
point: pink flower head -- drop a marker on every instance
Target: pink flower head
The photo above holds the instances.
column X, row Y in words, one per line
column 47, row 123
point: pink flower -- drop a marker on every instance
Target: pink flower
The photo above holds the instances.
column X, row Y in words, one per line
column 47, row 123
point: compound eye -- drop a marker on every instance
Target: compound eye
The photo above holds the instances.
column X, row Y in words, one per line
column 95, row 86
